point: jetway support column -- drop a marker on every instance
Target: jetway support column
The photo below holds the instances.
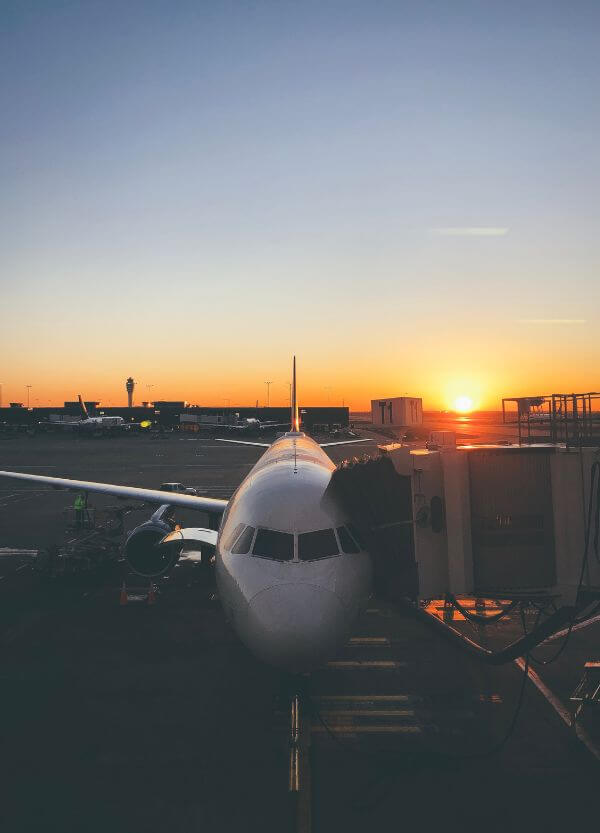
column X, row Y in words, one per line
column 458, row 521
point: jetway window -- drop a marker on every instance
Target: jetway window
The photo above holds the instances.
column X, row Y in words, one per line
column 233, row 536
column 319, row 544
column 276, row 545
column 346, row 541
column 243, row 543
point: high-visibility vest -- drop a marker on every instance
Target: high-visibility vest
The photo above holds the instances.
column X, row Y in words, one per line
column 79, row 502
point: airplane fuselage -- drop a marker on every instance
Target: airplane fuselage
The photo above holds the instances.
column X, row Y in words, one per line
column 101, row 422
column 291, row 576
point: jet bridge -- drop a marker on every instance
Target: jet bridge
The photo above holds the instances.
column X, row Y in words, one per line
column 379, row 500
column 496, row 521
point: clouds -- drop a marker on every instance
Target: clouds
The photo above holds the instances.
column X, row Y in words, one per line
column 552, row 321
column 472, row 231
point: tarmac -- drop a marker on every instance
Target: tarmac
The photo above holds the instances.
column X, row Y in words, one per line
column 153, row 718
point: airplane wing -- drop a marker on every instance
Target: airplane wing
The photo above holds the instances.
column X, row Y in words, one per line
column 274, row 425
column 348, row 442
column 205, row 504
column 242, row 442
column 323, row 445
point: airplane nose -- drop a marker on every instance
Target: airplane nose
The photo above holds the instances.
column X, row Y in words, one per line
column 295, row 627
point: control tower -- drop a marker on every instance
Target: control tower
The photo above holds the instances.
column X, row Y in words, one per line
column 130, row 384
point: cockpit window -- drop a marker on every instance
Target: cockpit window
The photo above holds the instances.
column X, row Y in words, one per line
column 242, row 545
column 346, row 540
column 318, row 544
column 233, row 536
column 356, row 535
column 276, row 545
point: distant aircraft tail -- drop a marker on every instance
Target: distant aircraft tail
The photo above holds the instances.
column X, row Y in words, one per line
column 84, row 412
column 294, row 403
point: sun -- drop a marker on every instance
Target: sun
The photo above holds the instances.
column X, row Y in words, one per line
column 463, row 404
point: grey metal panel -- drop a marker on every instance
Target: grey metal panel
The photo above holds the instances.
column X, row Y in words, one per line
column 512, row 520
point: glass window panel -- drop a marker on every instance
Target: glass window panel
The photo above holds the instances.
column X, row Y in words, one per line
column 318, row 544
column 346, row 540
column 272, row 544
column 232, row 537
column 356, row 535
column 242, row 544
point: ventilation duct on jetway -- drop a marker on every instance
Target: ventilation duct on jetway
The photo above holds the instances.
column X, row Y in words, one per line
column 379, row 502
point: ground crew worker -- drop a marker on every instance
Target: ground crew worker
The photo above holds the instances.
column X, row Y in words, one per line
column 79, row 506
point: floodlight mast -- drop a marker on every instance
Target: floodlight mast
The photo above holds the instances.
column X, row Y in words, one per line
column 268, row 384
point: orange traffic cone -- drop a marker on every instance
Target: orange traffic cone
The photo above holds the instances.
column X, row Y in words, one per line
column 151, row 594
column 123, row 598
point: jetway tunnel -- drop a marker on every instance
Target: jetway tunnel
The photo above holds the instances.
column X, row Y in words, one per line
column 379, row 500
column 507, row 523
column 494, row 521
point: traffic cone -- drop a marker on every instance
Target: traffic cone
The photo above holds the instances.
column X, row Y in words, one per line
column 123, row 598
column 151, row 594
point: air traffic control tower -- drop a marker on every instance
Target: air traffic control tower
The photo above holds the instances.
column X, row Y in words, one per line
column 130, row 384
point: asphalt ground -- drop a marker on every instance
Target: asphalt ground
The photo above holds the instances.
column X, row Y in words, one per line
column 142, row 718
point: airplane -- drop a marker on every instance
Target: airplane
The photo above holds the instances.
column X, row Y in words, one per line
column 98, row 423
column 292, row 573
column 248, row 424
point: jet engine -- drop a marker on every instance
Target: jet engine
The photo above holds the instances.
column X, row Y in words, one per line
column 143, row 550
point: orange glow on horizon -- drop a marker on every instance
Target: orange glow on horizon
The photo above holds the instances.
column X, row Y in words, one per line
column 236, row 379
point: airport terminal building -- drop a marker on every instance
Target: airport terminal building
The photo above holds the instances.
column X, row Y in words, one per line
column 174, row 413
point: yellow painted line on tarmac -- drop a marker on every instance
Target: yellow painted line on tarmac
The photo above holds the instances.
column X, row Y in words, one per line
column 368, row 713
column 364, row 698
column 391, row 729
column 365, row 665
column 370, row 640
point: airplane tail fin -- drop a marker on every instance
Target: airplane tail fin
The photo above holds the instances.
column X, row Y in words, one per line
column 84, row 412
column 294, row 403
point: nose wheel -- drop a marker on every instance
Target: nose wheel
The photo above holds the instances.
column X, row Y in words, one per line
column 299, row 774
column 295, row 744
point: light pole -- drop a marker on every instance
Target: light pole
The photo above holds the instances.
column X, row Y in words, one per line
column 328, row 389
column 268, row 384
column 28, row 392
column 148, row 387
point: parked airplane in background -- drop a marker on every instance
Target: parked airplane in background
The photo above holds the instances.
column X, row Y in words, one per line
column 292, row 572
column 248, row 424
column 99, row 423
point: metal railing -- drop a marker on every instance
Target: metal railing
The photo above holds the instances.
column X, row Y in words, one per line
column 569, row 418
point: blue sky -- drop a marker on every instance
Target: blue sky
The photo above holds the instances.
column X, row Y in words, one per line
column 247, row 179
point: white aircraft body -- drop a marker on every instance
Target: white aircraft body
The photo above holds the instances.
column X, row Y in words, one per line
column 291, row 573
column 291, row 577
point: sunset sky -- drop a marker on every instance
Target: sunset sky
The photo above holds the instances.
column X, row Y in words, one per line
column 404, row 194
